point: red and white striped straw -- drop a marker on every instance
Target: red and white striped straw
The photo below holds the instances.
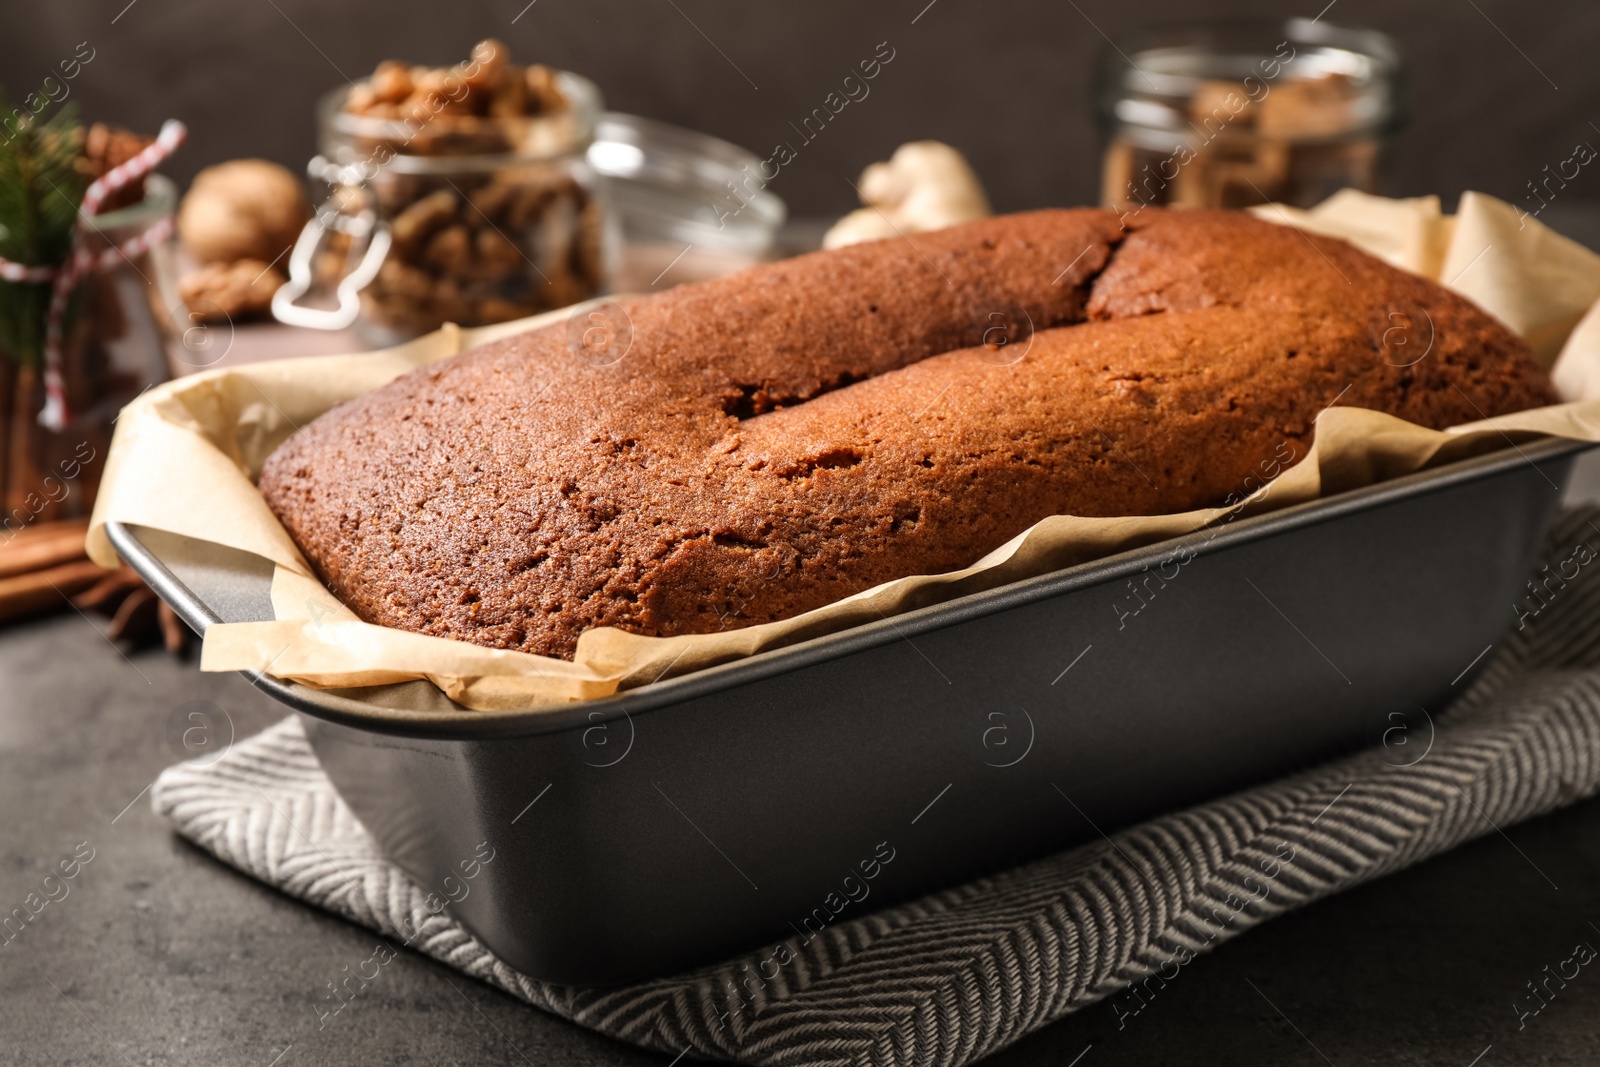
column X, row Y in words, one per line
column 81, row 261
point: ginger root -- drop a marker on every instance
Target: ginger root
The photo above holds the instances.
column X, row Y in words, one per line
column 924, row 186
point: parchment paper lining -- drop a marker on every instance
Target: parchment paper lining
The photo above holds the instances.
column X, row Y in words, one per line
column 186, row 455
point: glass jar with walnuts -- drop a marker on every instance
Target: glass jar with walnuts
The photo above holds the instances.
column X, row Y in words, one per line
column 459, row 194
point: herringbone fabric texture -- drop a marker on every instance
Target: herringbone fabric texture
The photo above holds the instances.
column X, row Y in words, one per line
column 962, row 973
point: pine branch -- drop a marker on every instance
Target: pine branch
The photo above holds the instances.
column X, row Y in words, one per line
column 41, row 188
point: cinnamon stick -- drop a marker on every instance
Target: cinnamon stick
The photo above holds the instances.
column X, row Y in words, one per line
column 29, row 594
column 41, row 545
column 8, row 389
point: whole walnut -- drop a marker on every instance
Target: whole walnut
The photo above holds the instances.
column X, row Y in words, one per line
column 242, row 209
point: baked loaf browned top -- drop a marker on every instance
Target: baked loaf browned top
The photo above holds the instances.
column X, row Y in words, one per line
column 781, row 438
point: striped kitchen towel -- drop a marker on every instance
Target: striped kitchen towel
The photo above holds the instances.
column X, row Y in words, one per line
column 962, row 973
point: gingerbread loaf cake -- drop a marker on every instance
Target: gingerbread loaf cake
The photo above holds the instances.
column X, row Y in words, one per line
column 776, row 440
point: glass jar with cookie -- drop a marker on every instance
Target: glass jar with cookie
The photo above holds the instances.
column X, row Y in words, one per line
column 1239, row 112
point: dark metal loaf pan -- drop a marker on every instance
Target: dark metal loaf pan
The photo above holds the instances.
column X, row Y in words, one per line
column 689, row 819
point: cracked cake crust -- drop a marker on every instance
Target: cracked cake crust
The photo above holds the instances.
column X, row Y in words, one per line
column 781, row 438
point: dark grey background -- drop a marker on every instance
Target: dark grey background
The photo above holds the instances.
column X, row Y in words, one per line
column 1502, row 88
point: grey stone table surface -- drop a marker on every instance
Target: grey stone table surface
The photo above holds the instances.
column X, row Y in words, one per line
column 158, row 954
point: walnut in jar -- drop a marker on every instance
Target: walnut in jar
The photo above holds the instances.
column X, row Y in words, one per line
column 501, row 250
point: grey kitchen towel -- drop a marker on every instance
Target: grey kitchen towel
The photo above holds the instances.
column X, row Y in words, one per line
column 964, row 972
